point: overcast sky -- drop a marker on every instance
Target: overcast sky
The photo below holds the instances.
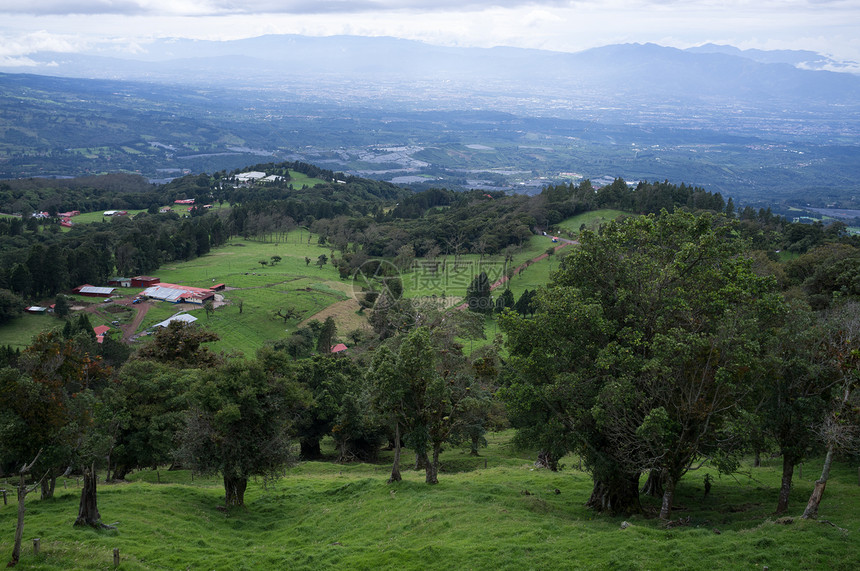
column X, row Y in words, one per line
column 831, row 27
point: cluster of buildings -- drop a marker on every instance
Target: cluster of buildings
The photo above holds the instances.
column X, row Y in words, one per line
column 153, row 289
column 65, row 217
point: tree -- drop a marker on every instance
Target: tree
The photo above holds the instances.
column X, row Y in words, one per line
column 263, row 262
column 405, row 257
column 208, row 307
column 794, row 391
column 145, row 412
column 23, row 491
column 322, row 260
column 504, row 301
column 307, row 261
column 389, row 391
column 416, row 391
column 839, row 430
column 11, row 306
column 644, row 347
column 181, row 344
column 239, row 425
column 61, row 306
column 478, row 297
column 275, row 260
column 326, row 335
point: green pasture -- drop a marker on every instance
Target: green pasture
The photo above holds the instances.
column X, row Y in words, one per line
column 492, row 512
column 298, row 180
column 19, row 332
column 98, row 216
column 592, row 220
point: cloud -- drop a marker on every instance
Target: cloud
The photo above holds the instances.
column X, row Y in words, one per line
column 241, row 7
column 13, row 47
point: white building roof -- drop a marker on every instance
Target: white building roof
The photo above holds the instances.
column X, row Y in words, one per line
column 97, row 290
column 253, row 175
column 183, row 317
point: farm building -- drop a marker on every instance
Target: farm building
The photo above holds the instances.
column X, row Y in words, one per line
column 178, row 293
column 144, row 281
column 249, row 176
column 100, row 332
column 183, row 317
column 120, row 282
column 35, row 309
column 218, row 287
column 184, row 201
column 339, row 348
column 115, row 213
column 93, row 291
column 68, row 214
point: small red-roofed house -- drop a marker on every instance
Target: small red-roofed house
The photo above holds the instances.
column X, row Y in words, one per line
column 100, row 332
column 339, row 348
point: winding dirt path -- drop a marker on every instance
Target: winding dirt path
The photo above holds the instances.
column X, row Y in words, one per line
column 504, row 279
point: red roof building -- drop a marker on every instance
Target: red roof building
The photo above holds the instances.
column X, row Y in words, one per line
column 339, row 348
column 100, row 332
column 143, row 281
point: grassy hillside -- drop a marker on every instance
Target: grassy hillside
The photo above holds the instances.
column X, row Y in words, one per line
column 505, row 516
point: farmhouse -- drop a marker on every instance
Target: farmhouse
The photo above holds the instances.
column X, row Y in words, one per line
column 93, row 291
column 100, row 332
column 183, row 317
column 115, row 213
column 119, row 282
column 184, row 201
column 144, row 281
column 35, row 309
column 249, row 176
column 339, row 348
column 178, row 293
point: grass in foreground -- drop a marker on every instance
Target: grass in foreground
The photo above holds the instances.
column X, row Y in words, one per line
column 505, row 516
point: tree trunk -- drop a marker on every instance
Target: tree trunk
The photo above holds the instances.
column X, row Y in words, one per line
column 395, row 468
column 668, row 498
column 88, row 511
column 757, row 461
column 654, row 484
column 811, row 511
column 310, row 449
column 547, row 460
column 788, row 462
column 619, row 496
column 120, row 471
column 47, row 486
column 235, row 491
column 476, row 443
column 432, row 468
column 421, row 461
column 19, row 529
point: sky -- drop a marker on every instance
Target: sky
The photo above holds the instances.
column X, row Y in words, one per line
column 830, row 27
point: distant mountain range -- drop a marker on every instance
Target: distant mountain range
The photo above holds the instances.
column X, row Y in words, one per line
column 708, row 75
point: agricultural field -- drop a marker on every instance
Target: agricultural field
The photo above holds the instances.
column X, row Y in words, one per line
column 496, row 511
column 256, row 293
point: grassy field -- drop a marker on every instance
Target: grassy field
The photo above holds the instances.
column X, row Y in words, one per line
column 493, row 512
column 289, row 284
column 592, row 220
